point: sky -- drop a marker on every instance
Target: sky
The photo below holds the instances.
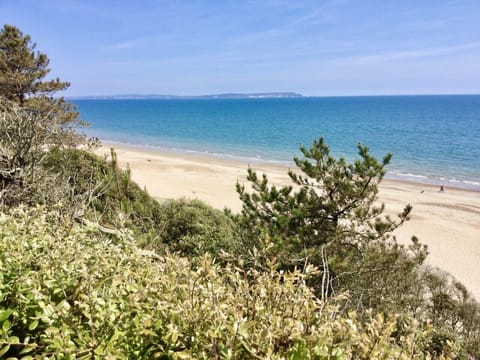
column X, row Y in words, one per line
column 316, row 48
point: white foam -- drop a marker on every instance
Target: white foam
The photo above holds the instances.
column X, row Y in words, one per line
column 434, row 179
column 474, row 183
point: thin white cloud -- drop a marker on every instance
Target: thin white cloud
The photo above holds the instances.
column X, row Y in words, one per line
column 282, row 24
column 129, row 44
column 125, row 45
column 409, row 54
column 258, row 36
column 321, row 14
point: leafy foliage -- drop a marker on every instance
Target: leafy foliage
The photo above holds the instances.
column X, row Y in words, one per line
column 22, row 79
column 452, row 310
column 22, row 69
column 102, row 190
column 331, row 208
column 70, row 291
column 99, row 190
column 25, row 141
column 32, row 121
column 192, row 228
column 330, row 217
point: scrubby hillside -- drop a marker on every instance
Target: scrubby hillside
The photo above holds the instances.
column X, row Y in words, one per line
column 70, row 291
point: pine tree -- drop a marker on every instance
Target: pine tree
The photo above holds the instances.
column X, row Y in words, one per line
column 22, row 79
column 32, row 121
column 331, row 201
column 330, row 217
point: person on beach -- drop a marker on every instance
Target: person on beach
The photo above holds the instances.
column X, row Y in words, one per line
column 441, row 188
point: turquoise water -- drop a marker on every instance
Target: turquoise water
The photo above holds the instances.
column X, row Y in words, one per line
column 434, row 139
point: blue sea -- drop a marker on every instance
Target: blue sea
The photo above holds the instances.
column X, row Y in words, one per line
column 433, row 139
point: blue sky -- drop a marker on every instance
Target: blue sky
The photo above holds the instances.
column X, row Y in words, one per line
column 317, row 48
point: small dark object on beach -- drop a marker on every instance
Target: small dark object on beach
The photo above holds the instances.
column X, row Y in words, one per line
column 441, row 188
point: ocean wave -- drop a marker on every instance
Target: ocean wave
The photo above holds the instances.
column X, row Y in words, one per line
column 409, row 175
column 435, row 180
column 259, row 158
column 473, row 183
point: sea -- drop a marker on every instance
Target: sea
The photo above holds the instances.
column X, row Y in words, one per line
column 433, row 139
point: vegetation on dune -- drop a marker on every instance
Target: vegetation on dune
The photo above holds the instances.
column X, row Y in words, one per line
column 22, row 80
column 192, row 228
column 91, row 266
column 31, row 119
column 97, row 190
column 330, row 218
column 71, row 291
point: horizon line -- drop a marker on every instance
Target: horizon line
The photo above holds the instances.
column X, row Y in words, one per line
column 286, row 95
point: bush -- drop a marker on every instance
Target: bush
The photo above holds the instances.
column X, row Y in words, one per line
column 329, row 216
column 99, row 189
column 25, row 138
column 70, row 291
column 192, row 228
column 103, row 191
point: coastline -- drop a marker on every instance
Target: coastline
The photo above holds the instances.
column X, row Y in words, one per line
column 395, row 174
column 445, row 221
column 432, row 138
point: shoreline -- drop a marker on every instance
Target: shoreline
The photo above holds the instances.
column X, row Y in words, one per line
column 447, row 222
column 391, row 175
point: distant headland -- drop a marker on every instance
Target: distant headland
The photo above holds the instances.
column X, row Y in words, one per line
column 213, row 96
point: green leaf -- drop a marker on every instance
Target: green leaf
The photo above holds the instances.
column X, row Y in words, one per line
column 33, row 325
column 4, row 350
column 6, row 325
column 13, row 340
column 26, row 350
column 4, row 314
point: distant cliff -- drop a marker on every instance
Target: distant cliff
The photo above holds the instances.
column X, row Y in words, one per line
column 213, row 96
column 252, row 96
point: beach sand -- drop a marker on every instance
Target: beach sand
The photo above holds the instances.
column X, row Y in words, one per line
column 448, row 222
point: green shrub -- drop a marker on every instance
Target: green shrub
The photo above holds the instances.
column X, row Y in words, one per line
column 192, row 228
column 100, row 189
column 103, row 190
column 69, row 291
column 330, row 216
column 94, row 188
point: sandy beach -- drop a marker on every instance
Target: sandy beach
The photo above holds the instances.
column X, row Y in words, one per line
column 448, row 222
